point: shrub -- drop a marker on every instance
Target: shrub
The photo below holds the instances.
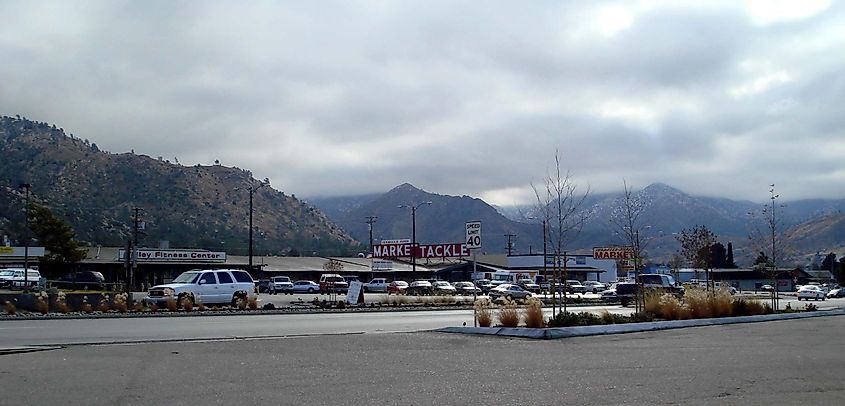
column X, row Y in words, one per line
column 252, row 303
column 653, row 303
column 810, row 307
column 341, row 304
column 187, row 304
column 720, row 303
column 10, row 308
column 534, row 313
column 42, row 302
column 86, row 307
column 671, row 308
column 571, row 319
column 103, row 306
column 171, row 304
column 153, row 307
column 740, row 307
column 120, row 302
column 607, row 317
column 698, row 302
column 200, row 306
column 241, row 304
column 61, row 303
column 483, row 313
column 508, row 315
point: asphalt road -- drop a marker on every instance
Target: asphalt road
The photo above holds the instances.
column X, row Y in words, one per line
column 14, row 333
column 785, row 362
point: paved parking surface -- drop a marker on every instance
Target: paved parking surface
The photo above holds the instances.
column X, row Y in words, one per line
column 788, row 362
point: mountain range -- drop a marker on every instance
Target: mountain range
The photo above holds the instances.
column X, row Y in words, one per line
column 189, row 206
column 207, row 206
column 809, row 225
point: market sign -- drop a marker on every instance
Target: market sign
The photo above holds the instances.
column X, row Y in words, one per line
column 422, row 251
column 148, row 255
column 613, row 253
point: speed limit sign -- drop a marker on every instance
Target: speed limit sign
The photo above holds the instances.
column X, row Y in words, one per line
column 473, row 235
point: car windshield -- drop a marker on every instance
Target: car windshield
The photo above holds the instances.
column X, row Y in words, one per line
column 187, row 277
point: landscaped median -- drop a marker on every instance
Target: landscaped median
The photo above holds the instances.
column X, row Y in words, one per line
column 583, row 331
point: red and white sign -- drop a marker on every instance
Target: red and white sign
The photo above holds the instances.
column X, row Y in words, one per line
column 613, row 253
column 423, row 251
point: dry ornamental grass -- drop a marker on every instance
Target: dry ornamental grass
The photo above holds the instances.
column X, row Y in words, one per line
column 534, row 313
column 508, row 315
column 483, row 313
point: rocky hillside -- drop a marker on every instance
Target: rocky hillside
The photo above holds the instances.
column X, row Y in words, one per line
column 189, row 206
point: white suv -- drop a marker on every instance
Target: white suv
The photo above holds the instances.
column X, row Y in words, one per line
column 13, row 277
column 206, row 286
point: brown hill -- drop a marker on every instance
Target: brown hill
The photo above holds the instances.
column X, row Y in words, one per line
column 190, row 206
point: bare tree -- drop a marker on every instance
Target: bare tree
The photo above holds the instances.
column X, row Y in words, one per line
column 766, row 236
column 695, row 248
column 559, row 205
column 625, row 217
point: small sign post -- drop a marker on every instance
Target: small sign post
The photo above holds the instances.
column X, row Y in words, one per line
column 473, row 242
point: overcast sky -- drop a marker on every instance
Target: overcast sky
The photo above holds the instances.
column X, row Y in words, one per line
column 349, row 97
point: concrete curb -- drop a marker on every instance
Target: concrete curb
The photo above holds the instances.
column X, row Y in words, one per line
column 22, row 350
column 584, row 331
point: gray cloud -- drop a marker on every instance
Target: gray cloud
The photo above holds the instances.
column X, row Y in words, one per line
column 330, row 98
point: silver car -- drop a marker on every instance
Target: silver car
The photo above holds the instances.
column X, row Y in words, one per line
column 508, row 291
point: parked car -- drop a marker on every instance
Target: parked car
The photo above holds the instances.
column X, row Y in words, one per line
column 85, row 280
column 443, row 288
column 574, row 286
column 609, row 294
column 376, row 285
column 528, row 285
column 767, row 288
column 484, row 284
column 593, row 286
column 835, row 293
column 509, row 291
column 280, row 284
column 206, row 286
column 263, row 285
column 14, row 278
column 303, row 286
column 808, row 292
column 333, row 283
column 419, row 287
column 397, row 287
column 351, row 278
column 467, row 288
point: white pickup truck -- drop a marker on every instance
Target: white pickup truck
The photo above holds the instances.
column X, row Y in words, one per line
column 376, row 285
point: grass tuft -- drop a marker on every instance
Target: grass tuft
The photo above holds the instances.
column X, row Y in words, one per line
column 508, row 315
column 483, row 313
column 534, row 313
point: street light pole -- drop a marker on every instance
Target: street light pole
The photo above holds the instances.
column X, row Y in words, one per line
column 414, row 208
column 26, row 186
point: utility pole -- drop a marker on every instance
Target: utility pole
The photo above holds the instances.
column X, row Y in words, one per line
column 370, row 221
column 414, row 208
column 26, row 186
column 510, row 242
column 136, row 226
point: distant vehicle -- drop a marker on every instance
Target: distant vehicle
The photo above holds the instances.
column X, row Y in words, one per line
column 767, row 288
column 443, row 288
column 280, row 284
column 332, row 283
column 574, row 286
column 594, row 286
column 609, row 294
column 263, row 285
column 12, row 278
column 303, row 286
column 466, row 288
column 484, row 284
column 808, row 292
column 650, row 283
column 419, row 287
column 528, row 285
column 351, row 278
column 376, row 285
column 509, row 291
column 397, row 287
column 835, row 293
column 84, row 280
